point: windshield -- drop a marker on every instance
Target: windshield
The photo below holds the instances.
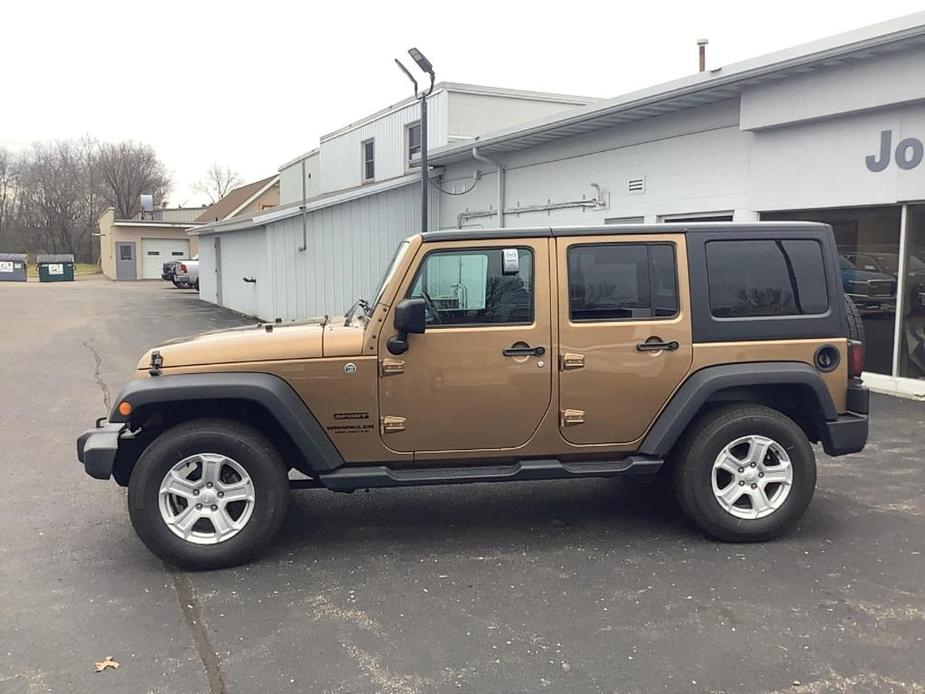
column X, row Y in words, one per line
column 396, row 260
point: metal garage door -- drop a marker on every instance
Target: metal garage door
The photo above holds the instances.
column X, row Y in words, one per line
column 156, row 252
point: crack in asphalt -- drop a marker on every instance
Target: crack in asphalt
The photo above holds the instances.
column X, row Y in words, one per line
column 98, row 377
column 192, row 614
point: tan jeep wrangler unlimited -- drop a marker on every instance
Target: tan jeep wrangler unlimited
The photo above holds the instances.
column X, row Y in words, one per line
column 714, row 354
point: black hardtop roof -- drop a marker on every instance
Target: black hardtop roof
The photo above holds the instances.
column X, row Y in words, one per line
column 618, row 229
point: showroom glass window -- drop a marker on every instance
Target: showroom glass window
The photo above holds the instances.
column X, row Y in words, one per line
column 766, row 278
column 868, row 247
column 912, row 326
column 476, row 287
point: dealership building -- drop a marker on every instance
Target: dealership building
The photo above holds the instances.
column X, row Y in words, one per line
column 831, row 131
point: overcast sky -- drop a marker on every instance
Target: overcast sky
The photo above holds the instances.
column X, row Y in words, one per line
column 254, row 84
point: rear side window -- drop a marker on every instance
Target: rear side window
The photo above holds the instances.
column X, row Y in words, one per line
column 766, row 278
column 622, row 281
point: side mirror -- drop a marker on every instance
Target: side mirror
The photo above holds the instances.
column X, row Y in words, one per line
column 410, row 317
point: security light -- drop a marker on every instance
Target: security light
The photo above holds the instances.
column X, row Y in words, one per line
column 421, row 96
column 422, row 62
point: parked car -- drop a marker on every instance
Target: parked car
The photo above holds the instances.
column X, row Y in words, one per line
column 872, row 291
column 169, row 272
column 888, row 264
column 187, row 273
column 712, row 355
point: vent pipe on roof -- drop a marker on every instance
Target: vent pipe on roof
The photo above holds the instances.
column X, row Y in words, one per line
column 702, row 44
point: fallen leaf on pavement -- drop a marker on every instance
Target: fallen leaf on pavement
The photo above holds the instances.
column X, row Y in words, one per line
column 106, row 663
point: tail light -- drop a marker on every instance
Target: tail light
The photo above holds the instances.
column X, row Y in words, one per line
column 855, row 358
column 182, row 267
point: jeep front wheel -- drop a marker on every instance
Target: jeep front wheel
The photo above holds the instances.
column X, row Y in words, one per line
column 745, row 473
column 208, row 493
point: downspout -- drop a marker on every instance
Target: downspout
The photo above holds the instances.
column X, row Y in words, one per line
column 304, row 212
column 500, row 170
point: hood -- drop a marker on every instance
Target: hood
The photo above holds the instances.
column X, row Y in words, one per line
column 261, row 342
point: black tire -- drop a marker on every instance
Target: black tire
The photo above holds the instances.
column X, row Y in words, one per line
column 248, row 448
column 855, row 324
column 196, row 286
column 702, row 444
column 176, row 284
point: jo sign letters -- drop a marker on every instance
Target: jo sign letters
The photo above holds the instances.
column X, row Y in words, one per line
column 908, row 153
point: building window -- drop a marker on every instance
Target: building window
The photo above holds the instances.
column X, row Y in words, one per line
column 414, row 141
column 369, row 160
column 476, row 287
column 697, row 217
column 624, row 220
column 868, row 248
column 766, row 278
column 622, row 281
column 912, row 329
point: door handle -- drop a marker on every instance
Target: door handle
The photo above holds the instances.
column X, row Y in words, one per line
column 523, row 350
column 656, row 345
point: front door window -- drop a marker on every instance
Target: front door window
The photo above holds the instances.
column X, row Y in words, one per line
column 476, row 287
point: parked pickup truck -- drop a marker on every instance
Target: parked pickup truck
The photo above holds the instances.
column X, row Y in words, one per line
column 712, row 355
column 187, row 273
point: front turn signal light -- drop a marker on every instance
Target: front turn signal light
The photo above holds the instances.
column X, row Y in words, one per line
column 125, row 408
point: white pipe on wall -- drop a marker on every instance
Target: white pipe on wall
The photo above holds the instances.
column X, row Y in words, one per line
column 499, row 168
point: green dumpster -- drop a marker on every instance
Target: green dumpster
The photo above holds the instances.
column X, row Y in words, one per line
column 56, row 267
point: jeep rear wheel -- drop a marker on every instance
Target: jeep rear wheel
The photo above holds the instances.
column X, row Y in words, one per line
column 208, row 493
column 745, row 473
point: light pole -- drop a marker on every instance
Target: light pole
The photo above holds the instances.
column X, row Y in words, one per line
column 424, row 64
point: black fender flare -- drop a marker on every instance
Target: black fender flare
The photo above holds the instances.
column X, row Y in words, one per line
column 269, row 391
column 701, row 385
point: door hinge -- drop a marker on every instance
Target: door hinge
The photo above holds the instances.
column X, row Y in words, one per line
column 390, row 367
column 392, row 425
column 570, row 361
column 568, row 418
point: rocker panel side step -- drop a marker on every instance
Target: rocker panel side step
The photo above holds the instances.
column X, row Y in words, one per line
column 349, row 478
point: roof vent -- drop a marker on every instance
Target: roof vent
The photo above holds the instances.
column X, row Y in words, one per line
column 636, row 185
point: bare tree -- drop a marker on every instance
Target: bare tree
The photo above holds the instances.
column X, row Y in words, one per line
column 126, row 170
column 218, row 182
column 7, row 188
column 57, row 202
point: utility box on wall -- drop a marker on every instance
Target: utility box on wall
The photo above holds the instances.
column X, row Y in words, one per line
column 55, row 268
column 13, row 267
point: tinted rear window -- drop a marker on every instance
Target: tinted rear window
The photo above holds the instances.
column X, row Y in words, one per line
column 766, row 278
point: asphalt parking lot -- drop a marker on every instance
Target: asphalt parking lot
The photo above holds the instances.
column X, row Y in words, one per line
column 586, row 586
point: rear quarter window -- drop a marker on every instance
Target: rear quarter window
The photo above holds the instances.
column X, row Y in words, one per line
column 755, row 278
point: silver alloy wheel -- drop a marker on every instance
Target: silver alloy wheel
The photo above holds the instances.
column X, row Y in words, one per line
column 752, row 477
column 206, row 498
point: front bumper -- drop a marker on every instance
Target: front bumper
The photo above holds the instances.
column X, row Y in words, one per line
column 848, row 433
column 97, row 448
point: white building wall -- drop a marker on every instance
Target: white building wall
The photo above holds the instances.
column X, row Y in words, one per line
column 341, row 154
column 836, row 90
column 207, row 289
column 290, row 179
column 823, row 163
column 349, row 247
column 244, row 254
column 471, row 114
column 695, row 161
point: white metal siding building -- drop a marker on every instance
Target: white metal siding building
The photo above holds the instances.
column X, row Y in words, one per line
column 830, row 131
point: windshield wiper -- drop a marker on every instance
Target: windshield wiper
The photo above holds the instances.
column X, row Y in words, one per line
column 367, row 310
